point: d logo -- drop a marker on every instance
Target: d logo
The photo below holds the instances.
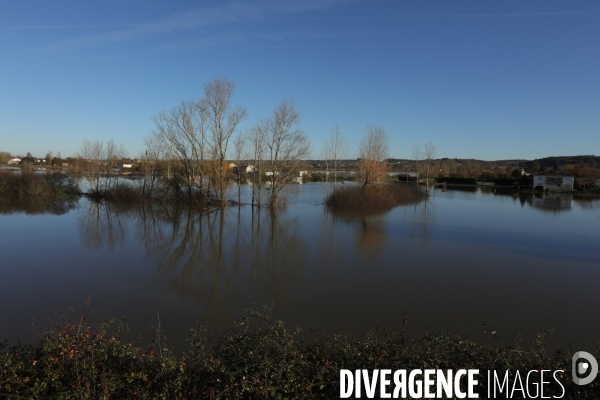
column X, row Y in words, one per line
column 583, row 366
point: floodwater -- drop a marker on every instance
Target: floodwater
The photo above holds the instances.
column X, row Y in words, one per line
column 523, row 264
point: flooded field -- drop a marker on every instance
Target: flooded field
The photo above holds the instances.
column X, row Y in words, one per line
column 523, row 264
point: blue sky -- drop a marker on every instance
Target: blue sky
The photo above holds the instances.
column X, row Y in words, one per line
column 480, row 79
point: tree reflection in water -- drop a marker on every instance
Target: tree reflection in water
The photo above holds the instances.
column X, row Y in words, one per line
column 369, row 226
column 213, row 256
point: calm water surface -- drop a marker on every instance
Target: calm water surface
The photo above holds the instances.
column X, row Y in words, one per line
column 523, row 264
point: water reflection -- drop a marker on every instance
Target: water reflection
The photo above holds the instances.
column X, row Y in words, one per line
column 552, row 203
column 35, row 206
column 102, row 226
column 457, row 258
column 368, row 225
column 210, row 256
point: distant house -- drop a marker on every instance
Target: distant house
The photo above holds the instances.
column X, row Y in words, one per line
column 124, row 165
column 232, row 165
column 14, row 161
column 553, row 180
column 250, row 169
column 271, row 173
column 302, row 173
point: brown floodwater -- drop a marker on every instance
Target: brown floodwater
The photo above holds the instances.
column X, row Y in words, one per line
column 523, row 264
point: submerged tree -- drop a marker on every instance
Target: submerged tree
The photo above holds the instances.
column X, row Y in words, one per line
column 93, row 153
column 285, row 147
column 335, row 149
column 180, row 134
column 195, row 135
column 430, row 151
column 373, row 152
column 222, row 121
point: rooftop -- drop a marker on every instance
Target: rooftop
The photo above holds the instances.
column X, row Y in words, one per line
column 551, row 172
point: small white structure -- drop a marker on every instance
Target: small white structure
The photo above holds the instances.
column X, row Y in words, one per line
column 302, row 173
column 271, row 173
column 124, row 166
column 553, row 180
column 14, row 161
column 232, row 165
column 250, row 169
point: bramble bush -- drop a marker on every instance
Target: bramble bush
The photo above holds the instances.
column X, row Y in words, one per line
column 257, row 358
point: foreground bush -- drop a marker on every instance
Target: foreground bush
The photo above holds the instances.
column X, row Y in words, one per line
column 385, row 195
column 257, row 358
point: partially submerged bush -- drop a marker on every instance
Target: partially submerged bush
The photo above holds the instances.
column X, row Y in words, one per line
column 31, row 185
column 385, row 195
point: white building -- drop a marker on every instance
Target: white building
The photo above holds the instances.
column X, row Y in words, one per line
column 250, row 169
column 553, row 180
column 14, row 161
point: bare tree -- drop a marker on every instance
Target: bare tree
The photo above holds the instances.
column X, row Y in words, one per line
column 181, row 136
column 93, row 153
column 239, row 153
column 373, row 153
column 4, row 157
column 430, row 151
column 257, row 139
column 417, row 155
column 114, row 155
column 151, row 160
column 222, row 121
column 286, row 146
column 335, row 149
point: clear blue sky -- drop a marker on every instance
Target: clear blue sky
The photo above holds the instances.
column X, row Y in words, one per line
column 480, row 79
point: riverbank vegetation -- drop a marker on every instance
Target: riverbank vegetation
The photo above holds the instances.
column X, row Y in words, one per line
column 39, row 186
column 257, row 358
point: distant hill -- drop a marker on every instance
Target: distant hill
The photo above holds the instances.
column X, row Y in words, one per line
column 592, row 161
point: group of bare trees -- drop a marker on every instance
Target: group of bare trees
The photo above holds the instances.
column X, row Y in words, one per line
column 100, row 160
column 196, row 138
column 373, row 153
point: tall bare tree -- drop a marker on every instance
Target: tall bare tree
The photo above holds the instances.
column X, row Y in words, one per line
column 373, row 152
column 113, row 156
column 93, row 153
column 257, row 138
column 286, row 146
column 151, row 161
column 222, row 122
column 335, row 149
column 430, row 151
column 417, row 155
column 181, row 136
column 239, row 153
